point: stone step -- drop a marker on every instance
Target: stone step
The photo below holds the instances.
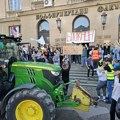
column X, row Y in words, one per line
column 87, row 83
column 79, row 72
column 83, row 77
column 90, row 85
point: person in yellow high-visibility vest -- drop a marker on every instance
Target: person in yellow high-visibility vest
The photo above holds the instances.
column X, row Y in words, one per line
column 110, row 78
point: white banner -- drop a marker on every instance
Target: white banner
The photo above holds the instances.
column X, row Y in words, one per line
column 80, row 37
column 48, row 3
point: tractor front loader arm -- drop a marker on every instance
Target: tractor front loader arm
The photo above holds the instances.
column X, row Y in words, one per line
column 84, row 98
column 79, row 98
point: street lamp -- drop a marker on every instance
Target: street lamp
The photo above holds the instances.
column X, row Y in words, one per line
column 59, row 24
column 103, row 19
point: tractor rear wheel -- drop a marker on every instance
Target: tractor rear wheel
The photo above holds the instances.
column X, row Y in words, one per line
column 34, row 104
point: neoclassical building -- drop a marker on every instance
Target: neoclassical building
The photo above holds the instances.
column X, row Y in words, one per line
column 52, row 19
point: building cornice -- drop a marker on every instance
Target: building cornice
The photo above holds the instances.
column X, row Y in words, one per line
column 3, row 20
column 69, row 6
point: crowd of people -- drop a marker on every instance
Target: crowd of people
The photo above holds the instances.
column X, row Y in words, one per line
column 107, row 66
column 45, row 54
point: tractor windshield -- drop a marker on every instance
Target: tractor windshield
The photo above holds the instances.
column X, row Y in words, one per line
column 8, row 48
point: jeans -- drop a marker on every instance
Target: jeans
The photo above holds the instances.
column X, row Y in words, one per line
column 109, row 87
column 77, row 57
column 95, row 64
column 73, row 58
column 101, row 85
column 88, row 73
column 112, row 110
column 84, row 59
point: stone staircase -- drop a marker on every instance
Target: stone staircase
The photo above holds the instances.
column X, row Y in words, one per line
column 79, row 73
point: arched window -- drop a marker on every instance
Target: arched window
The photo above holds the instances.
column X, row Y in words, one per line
column 81, row 23
column 14, row 5
column 43, row 30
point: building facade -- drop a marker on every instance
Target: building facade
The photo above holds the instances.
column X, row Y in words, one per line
column 52, row 19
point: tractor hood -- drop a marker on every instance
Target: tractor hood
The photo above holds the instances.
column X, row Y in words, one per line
column 39, row 65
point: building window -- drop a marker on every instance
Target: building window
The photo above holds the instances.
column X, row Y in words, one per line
column 43, row 30
column 17, row 30
column 80, row 24
column 14, row 5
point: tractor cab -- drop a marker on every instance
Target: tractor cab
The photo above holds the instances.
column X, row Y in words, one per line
column 8, row 55
column 8, row 47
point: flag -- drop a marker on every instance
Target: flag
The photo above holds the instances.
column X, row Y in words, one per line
column 14, row 31
column 41, row 40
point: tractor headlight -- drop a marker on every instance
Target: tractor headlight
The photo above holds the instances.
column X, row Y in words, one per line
column 55, row 73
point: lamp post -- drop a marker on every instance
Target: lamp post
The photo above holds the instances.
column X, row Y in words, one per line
column 103, row 19
column 59, row 24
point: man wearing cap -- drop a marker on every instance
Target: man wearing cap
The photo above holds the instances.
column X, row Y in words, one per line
column 110, row 78
column 115, row 94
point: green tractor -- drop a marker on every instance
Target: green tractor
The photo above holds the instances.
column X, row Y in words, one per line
column 32, row 90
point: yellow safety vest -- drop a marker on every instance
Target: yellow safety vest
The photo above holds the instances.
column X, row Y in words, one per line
column 110, row 75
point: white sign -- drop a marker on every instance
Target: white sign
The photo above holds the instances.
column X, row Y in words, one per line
column 72, row 50
column 80, row 37
column 48, row 3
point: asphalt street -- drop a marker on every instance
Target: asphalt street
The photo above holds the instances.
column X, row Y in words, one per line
column 62, row 114
column 67, row 115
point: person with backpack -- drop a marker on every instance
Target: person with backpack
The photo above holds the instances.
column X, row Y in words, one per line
column 115, row 93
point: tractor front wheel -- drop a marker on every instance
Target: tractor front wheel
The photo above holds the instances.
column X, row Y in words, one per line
column 34, row 104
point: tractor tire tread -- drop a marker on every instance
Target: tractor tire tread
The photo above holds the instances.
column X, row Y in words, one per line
column 40, row 94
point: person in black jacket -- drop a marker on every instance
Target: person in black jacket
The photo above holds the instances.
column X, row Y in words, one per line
column 65, row 71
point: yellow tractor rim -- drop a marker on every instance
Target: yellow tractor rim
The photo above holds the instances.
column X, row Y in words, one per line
column 29, row 110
